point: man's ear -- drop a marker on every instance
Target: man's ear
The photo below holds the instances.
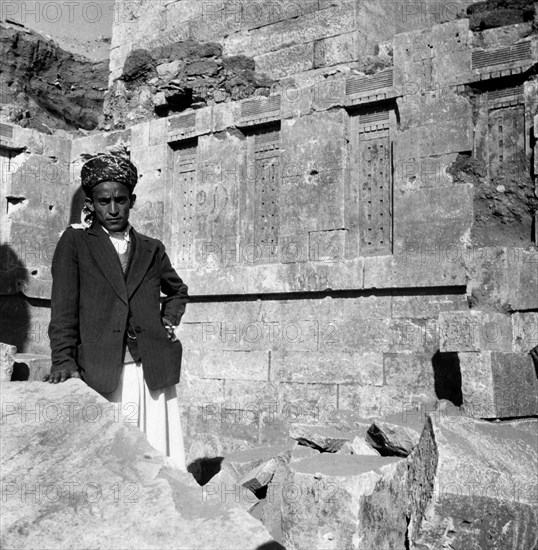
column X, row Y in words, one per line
column 133, row 200
column 89, row 203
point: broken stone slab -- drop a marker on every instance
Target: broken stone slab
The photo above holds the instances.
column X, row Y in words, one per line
column 75, row 475
column 473, row 484
column 498, row 385
column 392, row 439
column 269, row 509
column 323, row 438
column 261, row 475
column 300, row 452
column 241, row 463
column 359, row 446
column 322, row 500
column 7, row 360
column 224, row 488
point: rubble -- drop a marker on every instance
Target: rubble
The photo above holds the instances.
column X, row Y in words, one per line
column 473, row 484
column 392, row 439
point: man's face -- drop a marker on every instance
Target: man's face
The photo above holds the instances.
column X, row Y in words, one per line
column 112, row 203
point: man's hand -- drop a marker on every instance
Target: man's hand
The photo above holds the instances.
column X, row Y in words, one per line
column 60, row 376
column 170, row 328
column 534, row 355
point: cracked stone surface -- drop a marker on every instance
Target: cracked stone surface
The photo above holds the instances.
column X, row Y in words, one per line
column 75, row 476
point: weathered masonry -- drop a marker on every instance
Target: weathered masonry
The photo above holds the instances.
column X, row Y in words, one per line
column 351, row 240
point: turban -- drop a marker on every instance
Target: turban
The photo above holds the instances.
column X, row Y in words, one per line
column 108, row 168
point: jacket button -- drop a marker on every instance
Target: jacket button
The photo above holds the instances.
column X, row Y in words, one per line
column 138, row 329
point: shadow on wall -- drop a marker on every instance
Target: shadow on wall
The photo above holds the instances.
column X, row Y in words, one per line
column 14, row 308
column 76, row 206
column 447, row 377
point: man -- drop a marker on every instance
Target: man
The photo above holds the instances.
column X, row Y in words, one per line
column 107, row 323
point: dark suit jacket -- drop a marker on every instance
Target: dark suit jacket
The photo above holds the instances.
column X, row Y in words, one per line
column 91, row 301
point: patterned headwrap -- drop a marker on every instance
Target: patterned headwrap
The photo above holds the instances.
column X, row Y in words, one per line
column 107, row 167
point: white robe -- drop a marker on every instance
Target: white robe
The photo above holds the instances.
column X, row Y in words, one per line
column 155, row 412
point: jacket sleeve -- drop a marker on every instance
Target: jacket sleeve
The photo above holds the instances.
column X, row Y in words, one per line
column 63, row 328
column 176, row 291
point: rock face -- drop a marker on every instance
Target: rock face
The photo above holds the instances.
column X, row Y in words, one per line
column 76, row 476
column 473, row 485
column 45, row 87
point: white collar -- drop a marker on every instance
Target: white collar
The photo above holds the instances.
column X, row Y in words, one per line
column 121, row 235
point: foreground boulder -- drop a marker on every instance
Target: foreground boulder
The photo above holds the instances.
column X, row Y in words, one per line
column 322, row 500
column 473, row 485
column 74, row 475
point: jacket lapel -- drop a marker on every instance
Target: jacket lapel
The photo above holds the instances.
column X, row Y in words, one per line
column 143, row 255
column 107, row 259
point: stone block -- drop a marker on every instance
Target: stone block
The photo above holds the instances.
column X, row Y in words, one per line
column 327, row 246
column 328, row 92
column 223, row 488
column 392, row 439
column 372, row 401
column 343, row 48
column 224, row 115
column 325, row 309
column 306, row 403
column 253, row 395
column 325, row 508
column 452, row 136
column 140, row 135
column 464, row 471
column 292, row 277
column 360, row 446
column 441, row 216
column 196, row 392
column 296, row 100
column 325, row 439
column 300, row 452
column 372, row 336
column 348, row 275
column 523, row 277
column 412, row 374
column 414, row 335
column 147, row 492
column 241, row 463
column 524, row 331
column 260, row 476
column 367, row 307
column 411, row 268
column 286, row 61
column 327, row 367
column 475, row 331
column 303, row 29
column 230, row 365
column 427, row 306
column 498, row 385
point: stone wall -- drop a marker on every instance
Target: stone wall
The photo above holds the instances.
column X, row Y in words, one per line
column 328, row 230
column 285, row 38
